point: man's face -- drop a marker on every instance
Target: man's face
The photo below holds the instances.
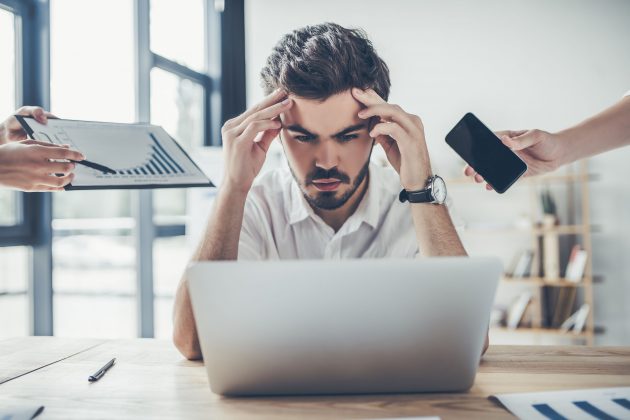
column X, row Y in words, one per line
column 328, row 148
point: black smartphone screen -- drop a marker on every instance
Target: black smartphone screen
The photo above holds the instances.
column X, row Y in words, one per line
column 485, row 153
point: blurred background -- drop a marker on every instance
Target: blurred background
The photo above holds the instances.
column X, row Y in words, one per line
column 106, row 263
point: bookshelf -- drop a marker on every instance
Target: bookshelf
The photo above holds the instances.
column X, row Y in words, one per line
column 576, row 181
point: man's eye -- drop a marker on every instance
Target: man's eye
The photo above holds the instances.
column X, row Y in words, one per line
column 304, row 139
column 348, row 137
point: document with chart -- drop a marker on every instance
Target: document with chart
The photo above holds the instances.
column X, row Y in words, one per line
column 120, row 155
column 598, row 403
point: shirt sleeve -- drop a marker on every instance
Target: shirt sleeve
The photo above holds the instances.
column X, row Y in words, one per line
column 251, row 244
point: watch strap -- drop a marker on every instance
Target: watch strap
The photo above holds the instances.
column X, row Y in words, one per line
column 420, row 196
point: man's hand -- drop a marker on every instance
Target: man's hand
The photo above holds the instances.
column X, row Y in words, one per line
column 11, row 129
column 402, row 137
column 247, row 138
column 540, row 150
column 26, row 165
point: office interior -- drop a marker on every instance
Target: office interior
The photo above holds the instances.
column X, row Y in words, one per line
column 105, row 264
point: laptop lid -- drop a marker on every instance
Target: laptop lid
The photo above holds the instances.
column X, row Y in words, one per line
column 350, row 326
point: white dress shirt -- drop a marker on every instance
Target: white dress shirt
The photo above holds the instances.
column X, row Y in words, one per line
column 278, row 222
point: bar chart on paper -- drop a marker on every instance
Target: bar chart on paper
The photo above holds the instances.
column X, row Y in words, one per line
column 128, row 155
column 598, row 403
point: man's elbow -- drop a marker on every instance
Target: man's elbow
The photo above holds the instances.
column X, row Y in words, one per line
column 187, row 346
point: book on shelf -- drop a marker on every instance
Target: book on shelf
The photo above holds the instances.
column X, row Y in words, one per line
column 517, row 310
column 576, row 265
column 577, row 320
column 557, row 305
column 551, row 250
column 523, row 265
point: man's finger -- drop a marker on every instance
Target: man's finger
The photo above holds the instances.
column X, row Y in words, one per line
column 45, row 188
column 36, row 112
column 266, row 138
column 44, row 143
column 388, row 112
column 55, row 181
column 29, row 110
column 386, row 143
column 59, row 153
column 367, row 97
column 59, row 167
column 469, row 171
column 275, row 96
column 268, row 113
column 40, row 115
column 257, row 127
column 510, row 133
column 522, row 141
column 392, row 130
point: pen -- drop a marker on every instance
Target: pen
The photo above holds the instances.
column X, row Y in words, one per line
column 96, row 166
column 99, row 374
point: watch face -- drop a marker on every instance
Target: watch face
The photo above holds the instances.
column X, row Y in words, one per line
column 439, row 190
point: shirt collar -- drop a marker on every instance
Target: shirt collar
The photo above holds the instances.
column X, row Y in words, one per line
column 368, row 210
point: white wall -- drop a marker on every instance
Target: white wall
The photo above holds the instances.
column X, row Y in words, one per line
column 516, row 64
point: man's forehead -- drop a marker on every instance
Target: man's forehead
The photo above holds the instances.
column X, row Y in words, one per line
column 326, row 117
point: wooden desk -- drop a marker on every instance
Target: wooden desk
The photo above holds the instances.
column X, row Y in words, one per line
column 151, row 381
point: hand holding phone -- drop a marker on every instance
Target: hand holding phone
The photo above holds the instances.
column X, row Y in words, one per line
column 485, row 153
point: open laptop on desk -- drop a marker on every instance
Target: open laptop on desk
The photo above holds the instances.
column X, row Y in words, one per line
column 336, row 327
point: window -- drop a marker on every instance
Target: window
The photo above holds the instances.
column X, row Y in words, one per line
column 13, row 291
column 170, row 258
column 179, row 92
column 106, row 263
column 14, row 261
column 177, row 31
column 93, row 244
column 177, row 104
column 8, row 199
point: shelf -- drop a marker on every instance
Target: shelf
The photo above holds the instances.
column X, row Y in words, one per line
column 560, row 282
column 541, row 179
column 538, row 281
column 539, row 231
column 556, row 332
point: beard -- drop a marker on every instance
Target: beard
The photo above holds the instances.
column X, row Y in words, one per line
column 327, row 200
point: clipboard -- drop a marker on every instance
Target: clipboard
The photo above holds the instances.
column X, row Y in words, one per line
column 121, row 156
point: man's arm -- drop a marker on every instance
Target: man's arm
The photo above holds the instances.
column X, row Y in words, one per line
column 435, row 232
column 246, row 140
column 402, row 137
column 220, row 242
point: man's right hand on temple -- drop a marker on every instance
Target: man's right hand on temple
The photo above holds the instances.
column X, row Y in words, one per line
column 246, row 140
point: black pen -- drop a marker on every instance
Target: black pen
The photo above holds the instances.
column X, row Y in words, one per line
column 99, row 374
column 96, row 166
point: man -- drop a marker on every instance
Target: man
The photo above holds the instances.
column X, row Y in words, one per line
column 327, row 91
column 30, row 165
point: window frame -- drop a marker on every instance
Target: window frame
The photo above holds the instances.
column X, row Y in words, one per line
column 224, row 97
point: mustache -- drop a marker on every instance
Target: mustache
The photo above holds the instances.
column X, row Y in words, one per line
column 320, row 173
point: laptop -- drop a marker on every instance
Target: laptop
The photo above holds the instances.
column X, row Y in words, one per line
column 342, row 327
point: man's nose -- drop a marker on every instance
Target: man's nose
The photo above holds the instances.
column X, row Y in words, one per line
column 327, row 156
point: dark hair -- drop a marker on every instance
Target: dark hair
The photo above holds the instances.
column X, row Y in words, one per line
column 316, row 62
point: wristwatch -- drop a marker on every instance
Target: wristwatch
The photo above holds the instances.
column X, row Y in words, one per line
column 435, row 192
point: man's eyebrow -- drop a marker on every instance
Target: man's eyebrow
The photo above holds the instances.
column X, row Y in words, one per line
column 350, row 129
column 298, row 128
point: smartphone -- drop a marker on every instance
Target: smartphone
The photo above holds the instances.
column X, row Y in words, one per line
column 485, row 153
